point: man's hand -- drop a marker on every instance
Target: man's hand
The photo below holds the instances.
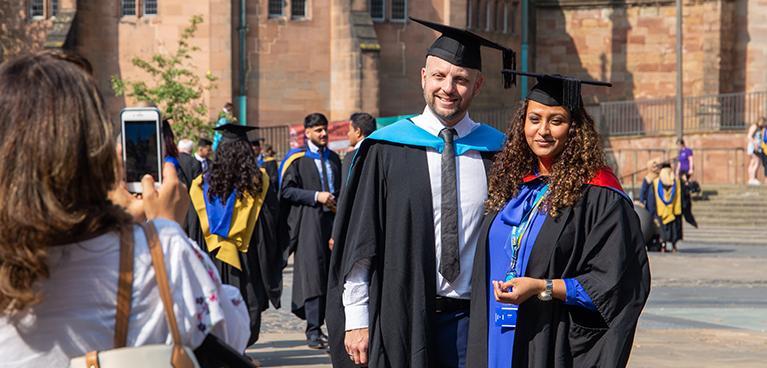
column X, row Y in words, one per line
column 356, row 342
column 171, row 201
column 326, row 198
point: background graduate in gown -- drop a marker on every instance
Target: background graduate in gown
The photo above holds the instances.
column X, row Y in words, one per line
column 559, row 227
column 237, row 209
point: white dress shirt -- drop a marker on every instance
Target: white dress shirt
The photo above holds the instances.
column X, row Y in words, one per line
column 472, row 192
column 318, row 163
column 203, row 161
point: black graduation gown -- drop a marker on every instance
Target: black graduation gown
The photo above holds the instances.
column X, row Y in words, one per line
column 260, row 280
column 671, row 232
column 300, row 228
column 345, row 168
column 598, row 242
column 272, row 169
column 388, row 194
column 191, row 169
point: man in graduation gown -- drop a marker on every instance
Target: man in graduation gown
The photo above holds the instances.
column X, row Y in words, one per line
column 408, row 223
column 360, row 127
column 241, row 237
column 192, row 168
column 309, row 185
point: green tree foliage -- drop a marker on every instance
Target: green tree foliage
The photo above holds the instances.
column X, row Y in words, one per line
column 177, row 91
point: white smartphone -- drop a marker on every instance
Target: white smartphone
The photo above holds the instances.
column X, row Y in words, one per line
column 141, row 130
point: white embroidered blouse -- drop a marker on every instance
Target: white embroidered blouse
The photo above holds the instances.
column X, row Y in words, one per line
column 80, row 301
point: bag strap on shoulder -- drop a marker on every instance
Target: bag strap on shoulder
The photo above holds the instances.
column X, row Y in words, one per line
column 124, row 287
column 180, row 359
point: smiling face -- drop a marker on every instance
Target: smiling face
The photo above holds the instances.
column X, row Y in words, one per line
column 449, row 89
column 547, row 129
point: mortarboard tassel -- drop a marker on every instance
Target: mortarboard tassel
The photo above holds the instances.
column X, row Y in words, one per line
column 509, row 62
column 571, row 95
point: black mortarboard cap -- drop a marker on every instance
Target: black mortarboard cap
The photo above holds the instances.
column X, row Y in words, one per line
column 234, row 132
column 557, row 90
column 461, row 48
column 256, row 141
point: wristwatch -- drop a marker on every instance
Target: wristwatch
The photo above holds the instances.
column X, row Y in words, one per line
column 545, row 295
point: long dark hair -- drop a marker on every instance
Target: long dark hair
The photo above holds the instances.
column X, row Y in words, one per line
column 578, row 163
column 169, row 140
column 59, row 164
column 233, row 167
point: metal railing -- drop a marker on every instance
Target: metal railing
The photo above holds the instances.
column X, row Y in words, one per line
column 714, row 112
column 496, row 117
column 278, row 137
column 629, row 164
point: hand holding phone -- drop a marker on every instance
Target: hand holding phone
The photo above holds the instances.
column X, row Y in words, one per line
column 141, row 131
column 171, row 201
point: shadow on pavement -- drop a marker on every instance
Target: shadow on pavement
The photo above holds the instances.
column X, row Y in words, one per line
column 707, row 250
column 279, row 344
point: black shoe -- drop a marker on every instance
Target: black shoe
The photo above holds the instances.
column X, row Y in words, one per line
column 323, row 337
column 315, row 342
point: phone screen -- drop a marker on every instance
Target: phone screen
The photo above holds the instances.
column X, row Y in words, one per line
column 140, row 150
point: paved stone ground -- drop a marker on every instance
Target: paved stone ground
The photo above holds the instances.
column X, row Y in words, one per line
column 707, row 308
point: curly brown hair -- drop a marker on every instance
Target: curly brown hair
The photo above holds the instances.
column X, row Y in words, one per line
column 58, row 162
column 234, row 167
column 578, row 163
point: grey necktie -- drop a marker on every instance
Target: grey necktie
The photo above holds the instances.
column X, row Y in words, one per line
column 450, row 263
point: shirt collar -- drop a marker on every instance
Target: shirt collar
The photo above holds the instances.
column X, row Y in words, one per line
column 430, row 123
column 312, row 147
column 357, row 146
column 198, row 157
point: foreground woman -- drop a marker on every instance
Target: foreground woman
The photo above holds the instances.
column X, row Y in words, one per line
column 61, row 236
column 560, row 228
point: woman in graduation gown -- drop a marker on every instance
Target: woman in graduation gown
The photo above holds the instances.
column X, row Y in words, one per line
column 238, row 210
column 666, row 194
column 561, row 242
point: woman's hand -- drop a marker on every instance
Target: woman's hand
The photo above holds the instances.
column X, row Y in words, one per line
column 122, row 197
column 522, row 288
column 171, row 201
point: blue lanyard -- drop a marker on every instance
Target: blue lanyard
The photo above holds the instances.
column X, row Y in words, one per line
column 518, row 233
column 662, row 195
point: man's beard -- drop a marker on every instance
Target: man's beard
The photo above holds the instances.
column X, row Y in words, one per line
column 452, row 114
column 318, row 143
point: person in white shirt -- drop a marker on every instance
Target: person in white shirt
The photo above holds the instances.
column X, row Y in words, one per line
column 204, row 150
column 407, row 227
column 65, row 217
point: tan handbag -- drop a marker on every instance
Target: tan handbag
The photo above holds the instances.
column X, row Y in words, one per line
column 148, row 356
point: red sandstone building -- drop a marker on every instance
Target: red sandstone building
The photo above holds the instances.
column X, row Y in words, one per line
column 343, row 56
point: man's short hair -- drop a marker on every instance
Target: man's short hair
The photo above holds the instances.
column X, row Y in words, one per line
column 680, row 141
column 204, row 143
column 228, row 105
column 313, row 120
column 365, row 122
column 185, row 145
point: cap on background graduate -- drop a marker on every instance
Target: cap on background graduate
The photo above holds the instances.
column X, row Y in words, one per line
column 462, row 48
column 234, row 132
column 557, row 90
